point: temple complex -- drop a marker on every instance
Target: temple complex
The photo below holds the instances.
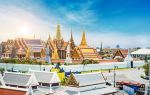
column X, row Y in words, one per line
column 55, row 49
column 22, row 47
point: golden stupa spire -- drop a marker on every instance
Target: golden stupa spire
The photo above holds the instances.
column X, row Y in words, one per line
column 49, row 37
column 71, row 39
column 83, row 41
column 58, row 34
column 28, row 53
column 55, row 53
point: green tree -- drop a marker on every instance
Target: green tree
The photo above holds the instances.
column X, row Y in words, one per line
column 146, row 66
column 146, row 69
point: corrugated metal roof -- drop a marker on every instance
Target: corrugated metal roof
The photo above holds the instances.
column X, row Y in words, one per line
column 46, row 77
column 19, row 79
column 142, row 51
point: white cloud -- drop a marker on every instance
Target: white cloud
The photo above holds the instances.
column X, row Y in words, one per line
column 13, row 17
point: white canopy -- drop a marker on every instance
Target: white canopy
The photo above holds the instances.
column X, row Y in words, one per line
column 142, row 51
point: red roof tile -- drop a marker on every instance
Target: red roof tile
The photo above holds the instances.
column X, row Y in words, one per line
column 8, row 91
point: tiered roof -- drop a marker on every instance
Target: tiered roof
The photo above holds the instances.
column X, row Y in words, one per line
column 85, row 52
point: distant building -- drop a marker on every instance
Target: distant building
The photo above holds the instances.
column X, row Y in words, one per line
column 120, row 54
column 118, row 46
column 141, row 53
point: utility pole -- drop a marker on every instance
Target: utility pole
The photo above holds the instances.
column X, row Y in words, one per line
column 114, row 76
column 149, row 76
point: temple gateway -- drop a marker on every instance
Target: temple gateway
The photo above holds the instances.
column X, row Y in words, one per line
column 56, row 49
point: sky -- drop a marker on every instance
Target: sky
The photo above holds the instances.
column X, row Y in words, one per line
column 123, row 22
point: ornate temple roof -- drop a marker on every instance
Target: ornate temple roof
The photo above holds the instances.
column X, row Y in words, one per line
column 122, row 53
column 36, row 45
column 85, row 52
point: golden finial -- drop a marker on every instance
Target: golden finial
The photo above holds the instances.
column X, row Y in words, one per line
column 58, row 34
column 83, row 41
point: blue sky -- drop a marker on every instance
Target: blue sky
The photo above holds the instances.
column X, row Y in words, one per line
column 123, row 22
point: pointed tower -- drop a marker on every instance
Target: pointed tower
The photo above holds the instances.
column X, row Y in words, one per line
column 68, row 55
column 48, row 59
column 58, row 34
column 49, row 37
column 72, row 44
column 83, row 41
column 101, row 49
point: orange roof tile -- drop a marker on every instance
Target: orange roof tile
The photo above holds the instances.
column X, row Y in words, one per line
column 106, row 61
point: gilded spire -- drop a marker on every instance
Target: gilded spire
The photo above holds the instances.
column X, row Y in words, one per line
column 49, row 37
column 83, row 41
column 58, row 34
column 72, row 41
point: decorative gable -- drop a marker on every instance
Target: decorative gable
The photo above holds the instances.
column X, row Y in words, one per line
column 72, row 81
